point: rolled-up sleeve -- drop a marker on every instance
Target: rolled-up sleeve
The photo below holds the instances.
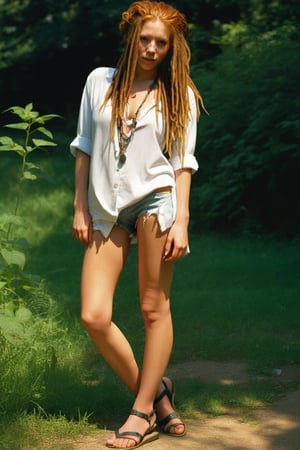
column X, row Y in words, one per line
column 189, row 160
column 83, row 140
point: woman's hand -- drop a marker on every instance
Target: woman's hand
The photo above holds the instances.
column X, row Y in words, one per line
column 82, row 227
column 82, row 224
column 177, row 242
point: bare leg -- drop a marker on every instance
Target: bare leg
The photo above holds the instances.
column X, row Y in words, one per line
column 155, row 276
column 103, row 262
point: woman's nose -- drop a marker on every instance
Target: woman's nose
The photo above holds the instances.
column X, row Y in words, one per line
column 151, row 47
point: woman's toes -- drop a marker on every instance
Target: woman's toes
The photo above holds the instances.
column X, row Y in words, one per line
column 120, row 443
column 178, row 428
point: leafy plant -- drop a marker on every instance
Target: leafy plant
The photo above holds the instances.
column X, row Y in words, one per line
column 249, row 145
column 15, row 284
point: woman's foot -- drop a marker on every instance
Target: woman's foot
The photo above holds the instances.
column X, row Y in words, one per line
column 167, row 418
column 143, row 426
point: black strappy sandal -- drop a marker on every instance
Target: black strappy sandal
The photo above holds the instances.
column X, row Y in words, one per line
column 149, row 436
column 163, row 424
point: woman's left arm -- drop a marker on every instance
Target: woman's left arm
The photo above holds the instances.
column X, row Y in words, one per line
column 177, row 241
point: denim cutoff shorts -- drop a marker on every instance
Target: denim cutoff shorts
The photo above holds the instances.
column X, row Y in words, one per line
column 159, row 203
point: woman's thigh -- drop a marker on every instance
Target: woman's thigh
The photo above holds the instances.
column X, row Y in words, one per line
column 155, row 274
column 103, row 262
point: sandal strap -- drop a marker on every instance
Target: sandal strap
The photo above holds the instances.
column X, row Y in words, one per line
column 167, row 419
column 167, row 429
column 165, row 392
column 142, row 415
column 160, row 396
column 127, row 434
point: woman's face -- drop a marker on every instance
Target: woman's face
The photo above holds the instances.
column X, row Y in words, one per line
column 154, row 44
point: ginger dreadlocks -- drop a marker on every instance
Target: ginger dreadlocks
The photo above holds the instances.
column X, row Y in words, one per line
column 173, row 78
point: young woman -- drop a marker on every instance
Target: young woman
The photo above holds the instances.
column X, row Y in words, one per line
column 134, row 160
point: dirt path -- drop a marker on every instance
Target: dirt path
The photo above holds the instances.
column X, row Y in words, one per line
column 276, row 427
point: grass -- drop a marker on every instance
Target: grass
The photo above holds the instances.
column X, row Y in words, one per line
column 40, row 427
column 232, row 298
column 242, row 300
column 216, row 399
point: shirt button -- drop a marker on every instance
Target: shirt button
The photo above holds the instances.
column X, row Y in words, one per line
column 116, row 186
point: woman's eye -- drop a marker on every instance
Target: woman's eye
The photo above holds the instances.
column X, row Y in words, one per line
column 144, row 40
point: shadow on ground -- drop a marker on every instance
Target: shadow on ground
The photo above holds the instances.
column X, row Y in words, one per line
column 276, row 427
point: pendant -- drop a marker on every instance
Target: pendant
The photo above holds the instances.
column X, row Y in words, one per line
column 122, row 157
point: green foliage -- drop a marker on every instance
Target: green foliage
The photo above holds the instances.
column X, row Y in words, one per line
column 42, row 430
column 249, row 145
column 30, row 30
column 28, row 349
column 15, row 284
column 32, row 338
column 16, row 287
column 31, row 124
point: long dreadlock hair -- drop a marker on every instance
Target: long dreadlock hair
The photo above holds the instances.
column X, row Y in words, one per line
column 173, row 77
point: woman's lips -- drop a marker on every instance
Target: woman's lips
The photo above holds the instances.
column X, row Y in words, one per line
column 149, row 60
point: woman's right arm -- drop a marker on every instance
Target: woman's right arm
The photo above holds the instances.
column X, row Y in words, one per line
column 82, row 219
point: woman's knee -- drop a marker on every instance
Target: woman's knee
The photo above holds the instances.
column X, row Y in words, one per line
column 95, row 321
column 155, row 308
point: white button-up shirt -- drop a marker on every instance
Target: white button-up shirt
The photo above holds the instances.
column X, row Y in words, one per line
column 112, row 185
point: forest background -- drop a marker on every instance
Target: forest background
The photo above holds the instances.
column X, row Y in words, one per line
column 242, row 277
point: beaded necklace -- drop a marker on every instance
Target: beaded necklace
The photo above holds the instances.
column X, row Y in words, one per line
column 126, row 138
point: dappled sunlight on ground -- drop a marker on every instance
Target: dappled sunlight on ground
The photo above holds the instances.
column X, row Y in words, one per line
column 275, row 427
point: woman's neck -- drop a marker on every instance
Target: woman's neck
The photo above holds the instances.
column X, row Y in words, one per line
column 142, row 83
column 145, row 76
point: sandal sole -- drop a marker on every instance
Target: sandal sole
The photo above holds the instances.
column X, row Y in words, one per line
column 149, row 437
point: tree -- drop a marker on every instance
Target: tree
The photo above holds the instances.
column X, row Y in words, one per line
column 250, row 144
column 51, row 46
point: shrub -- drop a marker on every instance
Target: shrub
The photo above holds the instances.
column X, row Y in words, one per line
column 30, row 334
column 249, row 146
